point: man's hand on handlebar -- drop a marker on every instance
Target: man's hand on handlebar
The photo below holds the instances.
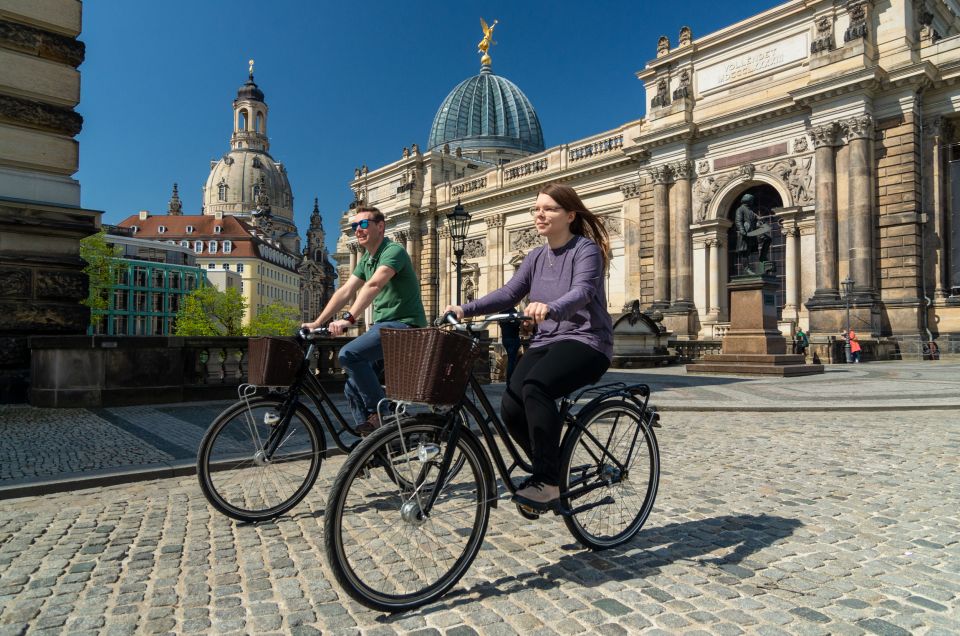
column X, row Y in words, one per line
column 456, row 310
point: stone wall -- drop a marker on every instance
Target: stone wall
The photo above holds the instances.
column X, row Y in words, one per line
column 898, row 197
column 41, row 223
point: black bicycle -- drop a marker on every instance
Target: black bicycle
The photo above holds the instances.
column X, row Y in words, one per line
column 260, row 456
column 395, row 545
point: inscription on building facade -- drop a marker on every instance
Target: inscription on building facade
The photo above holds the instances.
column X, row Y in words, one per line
column 754, row 63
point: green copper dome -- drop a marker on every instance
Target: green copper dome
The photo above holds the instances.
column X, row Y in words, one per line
column 486, row 113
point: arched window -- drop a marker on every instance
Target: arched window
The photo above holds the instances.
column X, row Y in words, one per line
column 227, row 247
column 256, row 191
column 242, row 122
column 222, row 191
column 259, row 122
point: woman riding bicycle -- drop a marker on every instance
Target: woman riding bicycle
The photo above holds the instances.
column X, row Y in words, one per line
column 573, row 344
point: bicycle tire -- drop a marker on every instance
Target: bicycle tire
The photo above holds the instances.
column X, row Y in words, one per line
column 617, row 424
column 234, row 475
column 372, row 531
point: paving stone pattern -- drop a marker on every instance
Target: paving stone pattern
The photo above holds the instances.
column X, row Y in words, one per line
column 813, row 523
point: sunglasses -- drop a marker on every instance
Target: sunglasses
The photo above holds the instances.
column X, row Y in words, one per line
column 362, row 224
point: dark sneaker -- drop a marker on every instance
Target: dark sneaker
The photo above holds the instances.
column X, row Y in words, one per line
column 538, row 496
column 373, row 423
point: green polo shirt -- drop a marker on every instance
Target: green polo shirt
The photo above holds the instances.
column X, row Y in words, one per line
column 399, row 300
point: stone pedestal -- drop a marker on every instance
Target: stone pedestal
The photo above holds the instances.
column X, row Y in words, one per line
column 753, row 345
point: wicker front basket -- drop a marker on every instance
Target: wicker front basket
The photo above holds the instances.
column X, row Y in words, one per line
column 273, row 361
column 427, row 365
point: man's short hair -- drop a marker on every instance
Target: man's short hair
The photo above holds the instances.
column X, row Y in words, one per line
column 377, row 214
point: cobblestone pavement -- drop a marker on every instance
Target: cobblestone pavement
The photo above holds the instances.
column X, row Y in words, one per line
column 67, row 445
column 767, row 523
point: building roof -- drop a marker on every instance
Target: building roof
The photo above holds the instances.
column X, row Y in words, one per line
column 246, row 241
column 486, row 111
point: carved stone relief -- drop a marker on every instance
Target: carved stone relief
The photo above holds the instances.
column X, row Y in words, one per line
column 474, row 248
column 682, row 91
column 34, row 114
column 858, row 20
column 613, row 225
column 662, row 98
column 61, row 285
column 703, row 191
column 525, row 239
column 796, row 175
column 15, row 282
column 823, row 41
column 703, row 166
column 686, row 36
column 800, row 144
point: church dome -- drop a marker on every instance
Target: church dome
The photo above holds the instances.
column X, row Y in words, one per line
column 487, row 115
column 250, row 91
column 240, row 177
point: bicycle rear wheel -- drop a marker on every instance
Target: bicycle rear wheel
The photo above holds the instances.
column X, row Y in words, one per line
column 383, row 550
column 236, row 474
column 611, row 468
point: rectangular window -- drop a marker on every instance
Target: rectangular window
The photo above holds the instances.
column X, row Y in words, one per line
column 211, row 266
column 212, row 247
column 139, row 277
column 140, row 301
column 198, row 246
column 226, row 267
column 157, row 278
column 240, row 267
column 120, row 300
column 227, row 247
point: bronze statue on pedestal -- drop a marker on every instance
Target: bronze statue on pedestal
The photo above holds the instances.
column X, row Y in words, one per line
column 753, row 236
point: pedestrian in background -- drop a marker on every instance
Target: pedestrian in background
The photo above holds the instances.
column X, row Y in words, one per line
column 801, row 342
column 854, row 346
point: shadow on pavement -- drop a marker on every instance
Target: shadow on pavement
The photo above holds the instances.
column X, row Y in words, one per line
column 651, row 550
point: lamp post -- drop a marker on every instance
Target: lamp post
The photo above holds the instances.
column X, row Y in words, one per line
column 847, row 290
column 459, row 221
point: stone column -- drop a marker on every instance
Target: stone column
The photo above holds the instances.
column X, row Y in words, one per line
column 939, row 133
column 683, row 173
column 824, row 140
column 788, row 218
column 631, row 239
column 859, row 130
column 400, row 237
column 415, row 242
column 661, row 236
column 444, row 259
column 716, row 247
column 494, row 252
column 354, row 248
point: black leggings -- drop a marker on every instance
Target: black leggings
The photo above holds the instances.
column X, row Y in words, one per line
column 529, row 407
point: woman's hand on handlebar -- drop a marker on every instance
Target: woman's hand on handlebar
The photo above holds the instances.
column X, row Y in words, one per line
column 537, row 311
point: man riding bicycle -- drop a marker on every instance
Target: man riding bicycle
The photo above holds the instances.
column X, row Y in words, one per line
column 385, row 277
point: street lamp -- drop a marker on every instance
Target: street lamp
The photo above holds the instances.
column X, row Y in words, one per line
column 847, row 290
column 459, row 221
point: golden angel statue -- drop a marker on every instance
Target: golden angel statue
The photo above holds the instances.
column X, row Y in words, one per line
column 487, row 41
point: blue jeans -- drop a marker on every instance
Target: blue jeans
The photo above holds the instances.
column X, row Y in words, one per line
column 363, row 388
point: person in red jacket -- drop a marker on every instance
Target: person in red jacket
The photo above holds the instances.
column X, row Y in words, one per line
column 854, row 346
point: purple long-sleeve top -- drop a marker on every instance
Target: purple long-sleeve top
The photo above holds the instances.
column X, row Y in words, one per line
column 569, row 280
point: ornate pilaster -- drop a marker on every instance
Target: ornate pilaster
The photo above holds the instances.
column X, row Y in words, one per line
column 354, row 250
column 859, row 131
column 715, row 246
column 495, row 254
column 630, row 190
column 939, row 133
column 683, row 247
column 824, row 139
column 661, row 236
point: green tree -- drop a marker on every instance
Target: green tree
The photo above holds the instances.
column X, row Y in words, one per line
column 207, row 311
column 274, row 320
column 103, row 262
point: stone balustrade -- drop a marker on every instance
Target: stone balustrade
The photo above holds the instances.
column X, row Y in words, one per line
column 95, row 371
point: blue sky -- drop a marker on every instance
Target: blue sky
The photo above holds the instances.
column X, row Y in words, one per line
column 346, row 83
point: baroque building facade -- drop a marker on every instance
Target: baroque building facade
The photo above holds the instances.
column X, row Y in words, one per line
column 838, row 117
column 246, row 223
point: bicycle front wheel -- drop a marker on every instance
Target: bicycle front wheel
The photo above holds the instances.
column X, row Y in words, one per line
column 252, row 466
column 384, row 549
column 611, row 467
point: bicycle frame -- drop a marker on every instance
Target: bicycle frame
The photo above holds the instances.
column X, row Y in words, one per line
column 631, row 393
column 306, row 384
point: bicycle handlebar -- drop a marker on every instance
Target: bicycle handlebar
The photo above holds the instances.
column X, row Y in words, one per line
column 311, row 334
column 513, row 316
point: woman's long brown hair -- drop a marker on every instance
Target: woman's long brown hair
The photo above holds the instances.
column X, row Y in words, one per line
column 585, row 223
